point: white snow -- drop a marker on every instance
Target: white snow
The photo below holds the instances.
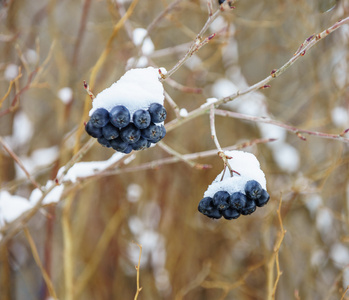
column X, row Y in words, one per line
column 65, row 95
column 313, row 202
column 85, row 169
column 136, row 89
column 339, row 253
column 183, row 112
column 138, row 36
column 287, row 157
column 52, row 197
column 244, row 163
column 12, row 206
column 11, row 72
column 134, row 192
column 223, row 87
column 31, row 56
column 340, row 116
column 39, row 158
column 209, row 101
column 324, row 222
column 22, row 131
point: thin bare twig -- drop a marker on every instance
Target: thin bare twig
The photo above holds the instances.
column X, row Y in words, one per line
column 19, row 162
column 261, row 84
column 196, row 45
column 290, row 128
column 36, row 256
column 173, row 104
column 272, row 286
column 171, row 151
column 137, row 269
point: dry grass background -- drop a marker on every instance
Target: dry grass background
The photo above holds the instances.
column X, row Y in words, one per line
column 85, row 241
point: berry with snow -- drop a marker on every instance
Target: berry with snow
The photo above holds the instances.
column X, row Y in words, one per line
column 99, row 118
column 130, row 134
column 157, row 112
column 110, row 132
column 120, row 116
column 92, row 130
column 141, row 118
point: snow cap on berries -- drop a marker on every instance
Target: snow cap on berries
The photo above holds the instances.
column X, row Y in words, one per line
column 247, row 165
column 136, row 89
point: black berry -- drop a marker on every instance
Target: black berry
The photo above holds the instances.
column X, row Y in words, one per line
column 221, row 200
column 253, row 189
column 110, row 132
column 238, row 200
column 263, row 199
column 92, row 130
column 100, row 117
column 130, row 134
column 230, row 213
column 157, row 112
column 120, row 116
column 141, row 118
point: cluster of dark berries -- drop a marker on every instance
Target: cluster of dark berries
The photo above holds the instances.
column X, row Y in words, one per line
column 231, row 206
column 117, row 130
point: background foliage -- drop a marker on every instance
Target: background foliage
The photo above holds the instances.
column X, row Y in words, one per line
column 185, row 255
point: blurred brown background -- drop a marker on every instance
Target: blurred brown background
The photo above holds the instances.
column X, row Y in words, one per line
column 185, row 255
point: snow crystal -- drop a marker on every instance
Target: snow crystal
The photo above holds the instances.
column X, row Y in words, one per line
column 247, row 165
column 136, row 89
column 12, row 206
column 339, row 253
column 183, row 112
column 340, row 117
column 65, row 94
column 11, row 72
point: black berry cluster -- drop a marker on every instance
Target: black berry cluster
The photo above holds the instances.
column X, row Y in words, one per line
column 117, row 130
column 231, row 206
